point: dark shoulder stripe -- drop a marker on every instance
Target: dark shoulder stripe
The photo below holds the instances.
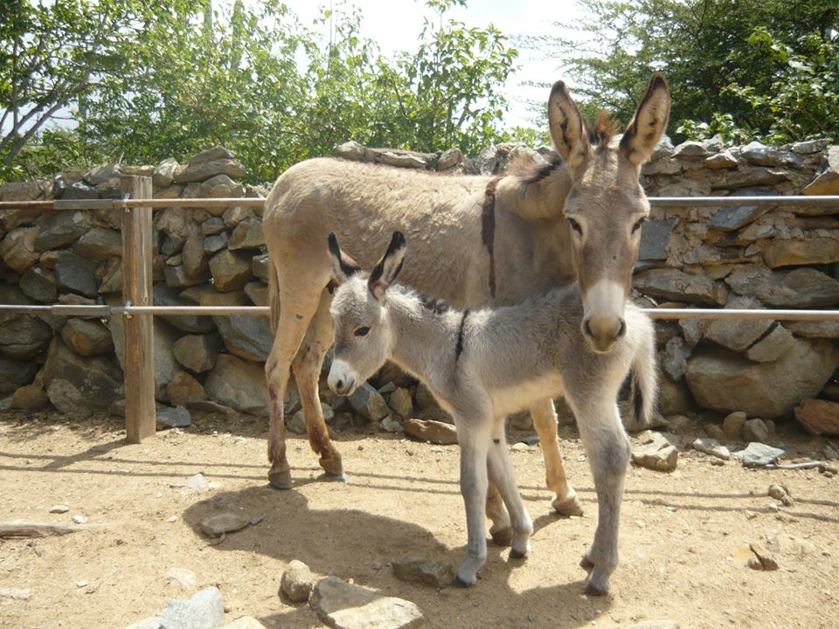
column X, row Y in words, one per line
column 553, row 161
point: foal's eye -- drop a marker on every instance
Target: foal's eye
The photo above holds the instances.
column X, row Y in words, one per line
column 638, row 224
column 362, row 331
column 575, row 226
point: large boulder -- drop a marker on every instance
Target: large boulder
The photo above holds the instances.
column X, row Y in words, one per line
column 799, row 251
column 239, row 384
column 14, row 374
column 75, row 274
column 723, row 381
column 737, row 334
column 23, row 336
column 799, row 288
column 231, row 271
column 62, row 228
column 247, row 337
column 347, row 606
column 18, row 248
column 165, row 365
column 39, row 284
column 828, row 181
column 78, row 385
column 87, row 337
column 99, row 244
column 197, row 352
column 819, row 416
column 167, row 296
column 680, row 286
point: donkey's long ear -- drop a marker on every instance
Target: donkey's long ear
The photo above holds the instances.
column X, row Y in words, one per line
column 343, row 266
column 649, row 123
column 566, row 124
column 385, row 272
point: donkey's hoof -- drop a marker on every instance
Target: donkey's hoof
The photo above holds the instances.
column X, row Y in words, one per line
column 280, row 480
column 333, row 478
column 568, row 506
column 332, row 466
column 586, row 563
column 463, row 583
column 502, row 537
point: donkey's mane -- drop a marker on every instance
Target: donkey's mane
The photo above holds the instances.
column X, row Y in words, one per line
column 530, row 171
column 601, row 130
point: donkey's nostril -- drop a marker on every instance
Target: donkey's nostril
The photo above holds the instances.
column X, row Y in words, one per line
column 622, row 330
column 339, row 384
column 587, row 327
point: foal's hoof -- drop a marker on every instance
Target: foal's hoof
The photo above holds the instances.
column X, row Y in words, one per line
column 568, row 506
column 586, row 563
column 280, row 480
column 518, row 554
column 595, row 590
column 458, row 582
column 502, row 537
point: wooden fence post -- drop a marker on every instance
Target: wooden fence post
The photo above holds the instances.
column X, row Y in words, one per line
column 138, row 356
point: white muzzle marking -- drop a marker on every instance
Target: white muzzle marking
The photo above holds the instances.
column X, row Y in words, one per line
column 342, row 378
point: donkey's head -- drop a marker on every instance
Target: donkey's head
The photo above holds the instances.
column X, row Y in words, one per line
column 606, row 204
column 362, row 333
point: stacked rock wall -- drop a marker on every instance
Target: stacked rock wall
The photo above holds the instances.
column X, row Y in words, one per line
column 732, row 257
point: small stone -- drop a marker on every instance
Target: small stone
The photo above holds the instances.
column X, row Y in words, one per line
column 427, row 572
column 226, row 522
column 758, row 455
column 659, row 454
column 297, row 582
column 733, row 424
column 680, row 424
column 430, row 430
column 297, row 423
column 16, row 594
column 765, row 559
column 779, row 492
column 343, row 605
column 184, row 578
column 520, row 447
column 59, row 509
column 755, row 430
column 818, row 416
column 712, row 447
column 30, row 397
column 389, row 424
column 79, row 519
column 169, row 417
column 204, row 610
column 717, row 462
column 715, row 431
column 183, row 389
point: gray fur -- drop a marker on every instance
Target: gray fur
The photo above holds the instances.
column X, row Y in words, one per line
column 510, row 357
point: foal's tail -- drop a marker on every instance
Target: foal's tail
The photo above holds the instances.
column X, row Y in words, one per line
column 644, row 389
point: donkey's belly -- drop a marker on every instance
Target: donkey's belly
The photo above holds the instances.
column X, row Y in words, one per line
column 520, row 396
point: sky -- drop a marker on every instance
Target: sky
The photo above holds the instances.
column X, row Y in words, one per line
column 396, row 25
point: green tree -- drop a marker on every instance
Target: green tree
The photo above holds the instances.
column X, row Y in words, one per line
column 704, row 47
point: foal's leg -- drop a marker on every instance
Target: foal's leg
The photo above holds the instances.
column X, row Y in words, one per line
column 473, row 436
column 608, row 452
column 544, row 420
column 299, row 296
column 306, row 367
column 501, row 475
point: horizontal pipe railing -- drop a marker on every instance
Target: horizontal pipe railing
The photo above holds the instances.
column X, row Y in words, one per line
column 255, row 311
column 259, row 202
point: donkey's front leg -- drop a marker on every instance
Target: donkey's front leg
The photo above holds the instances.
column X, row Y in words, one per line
column 608, row 451
column 474, row 446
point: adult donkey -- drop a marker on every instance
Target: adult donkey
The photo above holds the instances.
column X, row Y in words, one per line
column 475, row 241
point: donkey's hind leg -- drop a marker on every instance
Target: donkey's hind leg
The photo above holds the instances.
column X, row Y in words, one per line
column 297, row 303
column 500, row 530
column 501, row 475
column 306, row 366
column 608, row 451
column 544, row 420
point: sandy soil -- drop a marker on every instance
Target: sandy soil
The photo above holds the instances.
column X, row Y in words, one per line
column 679, row 532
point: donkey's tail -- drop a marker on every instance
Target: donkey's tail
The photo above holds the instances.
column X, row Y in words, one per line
column 273, row 295
column 644, row 390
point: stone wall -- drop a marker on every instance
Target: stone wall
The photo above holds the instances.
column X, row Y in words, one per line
column 734, row 257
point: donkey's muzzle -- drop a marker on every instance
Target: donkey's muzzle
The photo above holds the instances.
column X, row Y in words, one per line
column 342, row 378
column 602, row 332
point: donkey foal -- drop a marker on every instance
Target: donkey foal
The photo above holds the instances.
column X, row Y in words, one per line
column 484, row 365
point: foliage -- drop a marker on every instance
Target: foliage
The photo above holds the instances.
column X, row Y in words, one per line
column 143, row 84
column 717, row 58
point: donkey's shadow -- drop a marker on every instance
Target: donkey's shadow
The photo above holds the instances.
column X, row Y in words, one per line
column 357, row 545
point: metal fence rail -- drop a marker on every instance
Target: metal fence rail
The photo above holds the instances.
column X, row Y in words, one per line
column 137, row 206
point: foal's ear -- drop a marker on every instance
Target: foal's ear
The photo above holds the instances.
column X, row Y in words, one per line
column 343, row 266
column 386, row 270
column 649, row 123
column 566, row 125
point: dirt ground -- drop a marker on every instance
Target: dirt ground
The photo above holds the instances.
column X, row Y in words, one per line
column 679, row 534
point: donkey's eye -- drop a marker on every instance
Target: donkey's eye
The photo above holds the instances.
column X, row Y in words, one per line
column 362, row 331
column 638, row 224
column 575, row 226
